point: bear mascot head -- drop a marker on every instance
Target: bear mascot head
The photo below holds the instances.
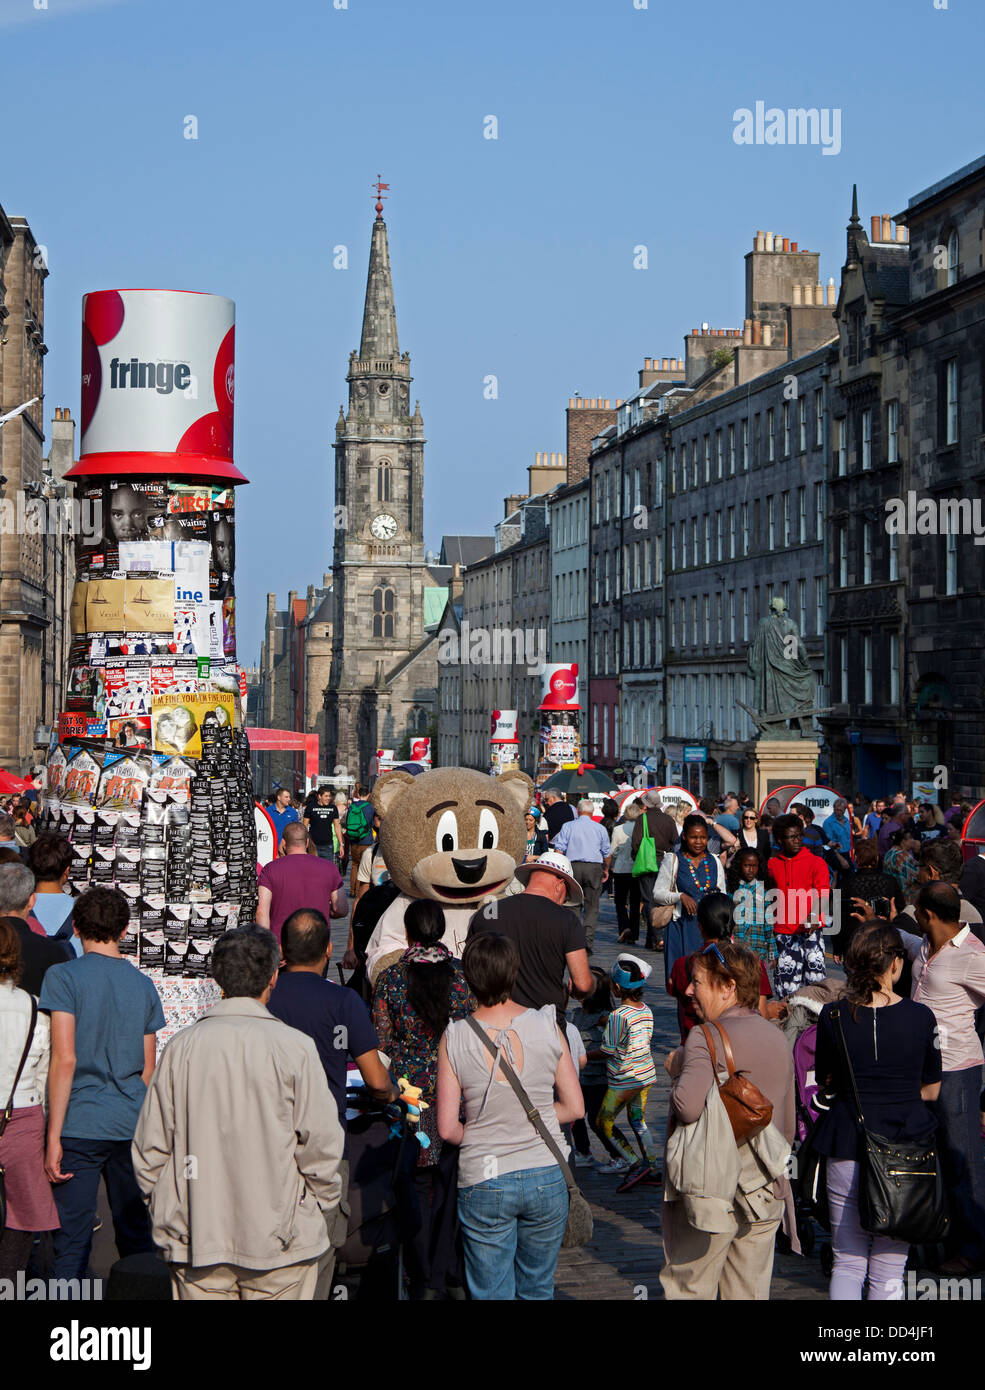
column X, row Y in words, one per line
column 453, row 835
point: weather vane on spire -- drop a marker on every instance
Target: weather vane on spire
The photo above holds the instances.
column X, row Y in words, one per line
column 380, row 195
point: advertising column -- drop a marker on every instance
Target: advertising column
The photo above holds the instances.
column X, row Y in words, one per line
column 150, row 779
column 504, row 746
column 560, row 720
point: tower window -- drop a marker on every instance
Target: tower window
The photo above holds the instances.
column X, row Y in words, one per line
column 383, row 481
column 383, row 612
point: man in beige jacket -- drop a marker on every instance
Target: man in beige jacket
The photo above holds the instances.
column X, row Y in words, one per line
column 238, row 1145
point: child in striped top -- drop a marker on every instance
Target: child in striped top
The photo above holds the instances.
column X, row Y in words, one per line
column 630, row 1069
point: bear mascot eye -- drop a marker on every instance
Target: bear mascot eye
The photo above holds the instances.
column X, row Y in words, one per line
column 446, row 833
column 488, row 829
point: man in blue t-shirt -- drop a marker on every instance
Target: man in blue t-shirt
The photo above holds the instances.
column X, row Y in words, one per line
column 282, row 813
column 336, row 1019
column 104, row 1014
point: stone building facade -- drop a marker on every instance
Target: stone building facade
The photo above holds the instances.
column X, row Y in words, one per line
column 23, row 604
column 383, row 681
column 569, row 574
column 908, row 603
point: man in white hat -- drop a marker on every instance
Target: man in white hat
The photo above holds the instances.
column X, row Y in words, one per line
column 546, row 931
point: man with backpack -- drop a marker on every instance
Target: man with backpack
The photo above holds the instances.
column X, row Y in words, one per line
column 358, row 829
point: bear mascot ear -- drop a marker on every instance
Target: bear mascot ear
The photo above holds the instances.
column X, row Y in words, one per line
column 388, row 788
column 518, row 789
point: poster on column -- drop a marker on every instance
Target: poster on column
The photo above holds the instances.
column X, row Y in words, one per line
column 176, row 720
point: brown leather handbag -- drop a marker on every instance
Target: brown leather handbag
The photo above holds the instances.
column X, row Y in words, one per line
column 748, row 1109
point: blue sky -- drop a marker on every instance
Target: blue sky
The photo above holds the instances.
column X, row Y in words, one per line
column 511, row 257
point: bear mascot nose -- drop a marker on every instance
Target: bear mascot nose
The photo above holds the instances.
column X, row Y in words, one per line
column 470, row 870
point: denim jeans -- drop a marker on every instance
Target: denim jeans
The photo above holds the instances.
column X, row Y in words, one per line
column 512, row 1227
column 88, row 1160
column 962, row 1159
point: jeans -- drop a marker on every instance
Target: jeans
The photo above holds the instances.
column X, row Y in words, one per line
column 512, row 1227
column 627, row 891
column 88, row 1160
column 326, row 852
column 859, row 1255
column 962, row 1161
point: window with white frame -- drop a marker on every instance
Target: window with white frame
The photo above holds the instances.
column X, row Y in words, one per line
column 785, row 505
column 819, row 598
column 866, row 423
column 771, row 521
column 951, row 416
column 786, row 429
column 683, row 622
column 745, row 446
column 951, row 559
column 842, row 556
column 802, row 515
column 718, row 453
column 731, row 533
column 695, row 638
column 819, row 511
column 843, row 669
column 658, row 560
column 718, row 535
column 818, row 418
column 892, row 432
column 719, row 619
column 673, row 472
column 627, row 494
column 707, row 458
column 707, row 531
column 867, row 552
column 731, row 451
column 694, row 463
column 731, row 615
column 953, row 251
column 706, row 613
column 867, row 668
column 841, row 446
column 802, row 425
column 673, row 549
column 893, row 669
column 672, row 616
column 745, row 528
column 893, row 555
column 802, row 604
column 745, row 615
column 647, row 573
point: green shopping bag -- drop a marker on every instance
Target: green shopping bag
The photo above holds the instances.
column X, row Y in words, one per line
column 647, row 859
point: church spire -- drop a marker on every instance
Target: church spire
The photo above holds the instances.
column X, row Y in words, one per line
column 379, row 336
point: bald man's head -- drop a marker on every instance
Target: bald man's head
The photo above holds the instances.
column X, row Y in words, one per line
column 295, row 838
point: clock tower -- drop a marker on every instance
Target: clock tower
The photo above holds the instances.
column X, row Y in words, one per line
column 382, row 675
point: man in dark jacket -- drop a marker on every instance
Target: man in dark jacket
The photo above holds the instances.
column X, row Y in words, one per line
column 37, row 952
column 557, row 812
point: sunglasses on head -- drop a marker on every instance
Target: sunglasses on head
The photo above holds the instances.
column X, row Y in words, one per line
column 715, row 951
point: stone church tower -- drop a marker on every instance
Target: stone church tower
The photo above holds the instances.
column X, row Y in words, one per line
column 384, row 670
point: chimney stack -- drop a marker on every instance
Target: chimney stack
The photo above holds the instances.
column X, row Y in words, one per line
column 767, row 335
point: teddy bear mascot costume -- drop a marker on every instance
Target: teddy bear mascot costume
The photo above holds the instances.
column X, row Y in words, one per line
column 452, row 835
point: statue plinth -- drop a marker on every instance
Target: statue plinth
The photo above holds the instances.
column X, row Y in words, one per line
column 779, row 762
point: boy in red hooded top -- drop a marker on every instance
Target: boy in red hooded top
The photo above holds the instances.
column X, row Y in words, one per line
column 803, row 887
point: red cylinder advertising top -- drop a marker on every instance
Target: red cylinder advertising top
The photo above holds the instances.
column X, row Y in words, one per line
column 157, row 385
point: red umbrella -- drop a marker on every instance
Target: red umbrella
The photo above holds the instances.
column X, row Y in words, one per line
column 10, row 783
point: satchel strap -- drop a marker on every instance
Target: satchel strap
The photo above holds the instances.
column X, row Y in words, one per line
column 840, row 1032
column 727, row 1048
column 532, row 1113
column 8, row 1109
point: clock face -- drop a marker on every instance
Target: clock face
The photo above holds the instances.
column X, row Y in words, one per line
column 384, row 527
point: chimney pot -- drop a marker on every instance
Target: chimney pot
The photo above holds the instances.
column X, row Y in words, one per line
column 786, row 243
column 887, row 228
column 832, row 293
column 769, row 242
column 818, row 293
column 900, row 232
column 793, row 246
column 757, row 332
column 875, row 224
column 798, row 295
column 767, row 335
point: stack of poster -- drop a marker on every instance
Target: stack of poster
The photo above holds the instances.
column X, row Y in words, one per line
column 150, row 778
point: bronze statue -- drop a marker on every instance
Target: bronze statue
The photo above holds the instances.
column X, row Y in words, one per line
column 784, row 686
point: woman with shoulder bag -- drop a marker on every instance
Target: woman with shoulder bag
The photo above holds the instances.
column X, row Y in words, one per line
column 735, row 1263
column 513, row 1177
column 895, row 1057
column 26, row 1203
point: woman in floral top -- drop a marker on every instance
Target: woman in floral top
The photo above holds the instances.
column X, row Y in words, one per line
column 414, row 1002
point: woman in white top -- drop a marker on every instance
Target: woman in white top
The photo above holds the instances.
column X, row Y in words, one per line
column 512, row 1196
column 30, row 1205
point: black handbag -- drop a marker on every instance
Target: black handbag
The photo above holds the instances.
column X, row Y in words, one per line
column 900, row 1188
column 8, row 1109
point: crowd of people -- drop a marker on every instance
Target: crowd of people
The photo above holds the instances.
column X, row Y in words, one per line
column 747, row 910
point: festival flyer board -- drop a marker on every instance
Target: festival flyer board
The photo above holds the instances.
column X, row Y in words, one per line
column 177, row 720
